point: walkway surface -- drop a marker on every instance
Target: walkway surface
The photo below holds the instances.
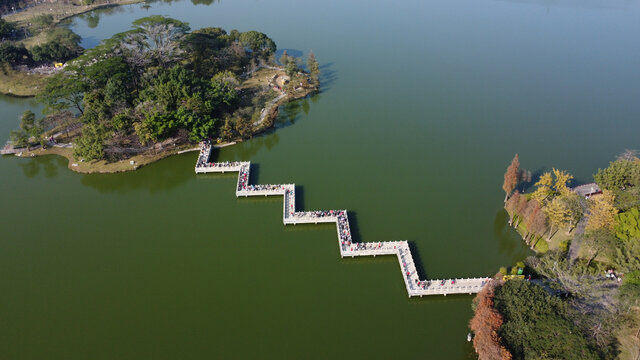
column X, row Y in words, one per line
column 348, row 248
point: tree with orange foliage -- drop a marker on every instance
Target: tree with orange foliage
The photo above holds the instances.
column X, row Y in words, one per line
column 511, row 177
column 485, row 324
column 512, row 205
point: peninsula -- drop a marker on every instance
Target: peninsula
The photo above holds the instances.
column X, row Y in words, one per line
column 158, row 90
column 579, row 297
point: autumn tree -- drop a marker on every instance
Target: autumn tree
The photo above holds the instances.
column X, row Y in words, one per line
column 536, row 223
column 512, row 205
column 511, row 177
column 602, row 211
column 543, row 188
column 485, row 325
column 558, row 215
column 521, row 206
column 561, row 179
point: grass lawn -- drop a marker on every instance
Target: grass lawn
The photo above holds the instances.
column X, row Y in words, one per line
column 19, row 83
column 103, row 166
column 629, row 342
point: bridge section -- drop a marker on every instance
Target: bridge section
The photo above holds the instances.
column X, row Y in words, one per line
column 348, row 248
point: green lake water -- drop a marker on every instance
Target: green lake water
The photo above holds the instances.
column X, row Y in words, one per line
column 423, row 105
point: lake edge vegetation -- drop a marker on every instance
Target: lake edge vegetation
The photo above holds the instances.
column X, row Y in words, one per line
column 580, row 303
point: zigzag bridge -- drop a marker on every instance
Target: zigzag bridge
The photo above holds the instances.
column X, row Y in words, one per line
column 415, row 286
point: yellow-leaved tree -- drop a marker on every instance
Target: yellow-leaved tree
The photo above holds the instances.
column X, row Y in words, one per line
column 558, row 215
column 543, row 188
column 602, row 212
column 562, row 177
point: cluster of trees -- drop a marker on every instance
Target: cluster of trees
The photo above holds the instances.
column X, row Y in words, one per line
column 31, row 130
column 622, row 178
column 579, row 311
column 552, row 205
column 542, row 213
column 485, row 324
column 158, row 81
column 538, row 325
column 61, row 45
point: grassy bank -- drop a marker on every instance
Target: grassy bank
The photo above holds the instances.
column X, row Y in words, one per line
column 19, row 83
column 104, row 166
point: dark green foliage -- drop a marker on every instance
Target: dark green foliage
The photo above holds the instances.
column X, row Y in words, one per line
column 63, row 91
column 620, row 175
column 62, row 45
column 52, row 51
column 203, row 47
column 19, row 138
column 13, row 53
column 537, row 325
column 90, row 146
column 179, row 98
column 31, row 129
column 313, row 67
column 6, row 28
column 122, row 122
column 259, row 43
column 43, row 21
column 291, row 66
column 629, row 293
column 626, row 255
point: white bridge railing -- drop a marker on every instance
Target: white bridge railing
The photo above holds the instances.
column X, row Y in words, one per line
column 348, row 248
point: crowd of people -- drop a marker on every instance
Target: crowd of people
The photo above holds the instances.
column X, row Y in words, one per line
column 264, row 187
column 317, row 213
column 243, row 178
column 289, row 203
column 343, row 229
column 205, row 151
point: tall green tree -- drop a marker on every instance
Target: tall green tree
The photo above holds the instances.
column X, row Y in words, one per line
column 63, row 91
column 620, row 175
column 259, row 43
column 90, row 146
column 13, row 53
column 314, row 68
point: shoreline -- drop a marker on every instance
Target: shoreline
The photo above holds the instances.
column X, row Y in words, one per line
column 146, row 158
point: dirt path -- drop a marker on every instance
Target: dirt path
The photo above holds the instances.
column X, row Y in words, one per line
column 267, row 109
column 574, row 249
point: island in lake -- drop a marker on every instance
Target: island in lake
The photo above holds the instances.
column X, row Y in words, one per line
column 157, row 90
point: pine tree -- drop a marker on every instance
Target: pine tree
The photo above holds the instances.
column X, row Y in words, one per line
column 284, row 59
column 314, row 68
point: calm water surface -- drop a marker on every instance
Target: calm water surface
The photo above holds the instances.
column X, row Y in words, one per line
column 424, row 104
